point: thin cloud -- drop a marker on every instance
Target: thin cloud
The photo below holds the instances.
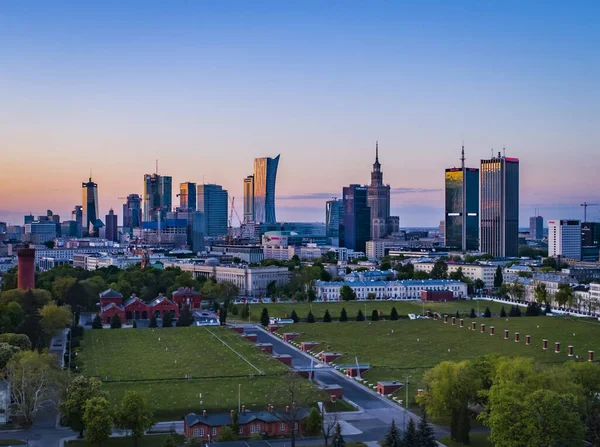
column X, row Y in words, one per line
column 413, row 190
column 310, row 196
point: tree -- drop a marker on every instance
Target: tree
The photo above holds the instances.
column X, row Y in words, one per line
column 153, row 322
column 223, row 316
column 235, row 425
column 186, row 318
column 487, row 313
column 472, row 314
column 310, row 318
column 20, row 341
column 31, row 325
column 420, row 275
column 227, row 434
column 410, row 435
column 61, row 286
column 338, row 439
column 11, row 317
column 533, row 310
column 134, row 414
column 313, row 422
column 360, row 316
column 541, row 293
column 295, row 317
column 170, row 442
column 98, row 420
column 498, row 278
column 564, row 294
column 6, row 353
column 115, row 322
column 326, row 317
column 478, row 284
column 458, row 275
column 80, row 390
column 54, row 318
column 374, row 315
column 97, row 323
column 245, row 314
column 516, row 290
column 457, row 315
column 343, row 315
column 393, row 438
column 35, row 380
column 425, row 434
column 502, row 312
column 167, row 319
column 264, row 317
column 394, row 314
column 347, row 293
column 439, row 270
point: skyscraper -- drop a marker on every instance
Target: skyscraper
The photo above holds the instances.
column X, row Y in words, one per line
column 357, row 217
column 249, row 199
column 187, row 196
column 536, row 228
column 77, row 214
column 462, row 207
column 111, row 226
column 90, row 207
column 212, row 201
column 334, row 217
column 158, row 196
column 132, row 212
column 500, row 206
column 265, row 177
column 564, row 239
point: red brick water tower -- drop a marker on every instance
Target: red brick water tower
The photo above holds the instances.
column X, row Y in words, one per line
column 26, row 271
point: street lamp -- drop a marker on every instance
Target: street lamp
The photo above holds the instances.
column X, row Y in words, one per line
column 405, row 402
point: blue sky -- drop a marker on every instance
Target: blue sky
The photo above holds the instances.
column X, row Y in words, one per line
column 206, row 87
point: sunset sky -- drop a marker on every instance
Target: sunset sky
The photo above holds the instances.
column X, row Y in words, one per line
column 204, row 87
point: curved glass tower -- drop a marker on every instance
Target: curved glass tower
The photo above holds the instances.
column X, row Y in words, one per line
column 265, row 176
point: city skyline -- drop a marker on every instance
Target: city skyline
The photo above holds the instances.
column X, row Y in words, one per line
column 319, row 90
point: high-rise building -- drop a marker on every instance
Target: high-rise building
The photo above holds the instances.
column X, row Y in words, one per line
column 194, row 227
column 212, row 201
column 77, row 214
column 378, row 200
column 28, row 218
column 112, row 233
column 70, row 228
column 89, row 211
column 590, row 234
column 564, row 239
column 536, row 228
column 187, row 196
column 158, row 196
column 249, row 199
column 265, row 177
column 334, row 217
column 462, row 207
column 40, row 232
column 132, row 212
column 500, row 206
column 357, row 218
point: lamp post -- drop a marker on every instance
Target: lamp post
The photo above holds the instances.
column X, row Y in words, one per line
column 405, row 402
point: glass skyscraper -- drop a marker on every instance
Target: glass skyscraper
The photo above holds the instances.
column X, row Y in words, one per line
column 212, row 201
column 249, row 199
column 132, row 212
column 158, row 196
column 187, row 196
column 357, row 218
column 265, row 176
column 334, row 217
column 462, row 208
column 500, row 206
column 89, row 206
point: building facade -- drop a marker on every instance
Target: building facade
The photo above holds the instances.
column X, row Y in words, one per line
column 536, row 228
column 40, row 232
column 249, row 199
column 89, row 211
column 158, row 197
column 132, row 212
column 564, row 239
column 378, row 198
column 112, row 232
column 403, row 290
column 212, row 202
column 499, row 206
column 334, row 217
column 472, row 271
column 357, row 218
column 265, row 178
column 187, row 196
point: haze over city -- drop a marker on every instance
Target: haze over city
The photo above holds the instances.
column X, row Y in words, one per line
column 206, row 88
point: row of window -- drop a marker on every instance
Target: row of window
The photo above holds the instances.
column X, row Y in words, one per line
column 199, row 432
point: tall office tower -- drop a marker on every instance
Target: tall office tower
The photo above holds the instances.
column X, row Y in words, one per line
column 77, row 214
column 28, row 218
column 249, row 199
column 378, row 200
column 334, row 217
column 89, row 211
column 158, row 196
column 187, row 196
column 564, row 239
column 265, row 177
column 132, row 212
column 357, row 217
column 462, row 207
column 590, row 234
column 500, row 206
column 536, row 228
column 212, row 201
column 111, row 226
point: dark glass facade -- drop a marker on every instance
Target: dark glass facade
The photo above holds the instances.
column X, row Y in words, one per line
column 158, row 196
column 212, row 202
column 187, row 196
column 112, row 233
column 590, row 234
column 357, row 218
column 265, row 177
column 334, row 216
column 462, row 212
column 90, row 206
column 132, row 212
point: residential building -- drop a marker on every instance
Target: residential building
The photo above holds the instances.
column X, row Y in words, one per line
column 40, row 232
column 158, row 196
column 536, row 228
column 249, row 199
column 564, row 239
column 132, row 212
column 357, row 218
column 212, row 201
column 471, row 271
column 461, row 229
column 404, row 290
column 187, row 196
column 594, row 293
column 265, row 178
column 375, row 249
column 499, row 191
column 89, row 211
column 112, row 230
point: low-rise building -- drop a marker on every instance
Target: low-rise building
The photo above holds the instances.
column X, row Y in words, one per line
column 472, row 271
column 404, row 290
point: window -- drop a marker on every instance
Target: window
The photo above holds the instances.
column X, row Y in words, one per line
column 196, row 432
column 282, row 427
column 252, row 429
column 241, row 430
column 214, row 431
column 295, row 425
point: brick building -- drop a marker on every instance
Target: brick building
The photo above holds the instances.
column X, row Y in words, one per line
column 111, row 303
column 187, row 297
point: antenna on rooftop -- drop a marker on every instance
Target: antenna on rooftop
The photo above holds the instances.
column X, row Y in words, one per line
column 157, row 166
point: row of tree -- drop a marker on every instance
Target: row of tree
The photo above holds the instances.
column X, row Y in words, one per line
column 310, row 318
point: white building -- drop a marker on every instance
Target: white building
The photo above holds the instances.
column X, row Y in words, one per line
column 95, row 261
column 375, row 249
column 472, row 271
column 564, row 239
column 594, row 297
column 406, row 290
column 252, row 281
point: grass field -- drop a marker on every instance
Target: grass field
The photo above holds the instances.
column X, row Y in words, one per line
column 146, row 441
column 397, row 349
column 282, row 310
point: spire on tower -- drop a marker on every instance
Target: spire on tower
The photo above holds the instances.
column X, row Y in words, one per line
column 376, row 151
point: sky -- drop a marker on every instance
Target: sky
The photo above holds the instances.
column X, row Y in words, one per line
column 204, row 87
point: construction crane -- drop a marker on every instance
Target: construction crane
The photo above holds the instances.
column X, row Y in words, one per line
column 585, row 207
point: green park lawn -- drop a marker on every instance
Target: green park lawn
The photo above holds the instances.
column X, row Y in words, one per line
column 284, row 309
column 397, row 349
column 146, row 441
